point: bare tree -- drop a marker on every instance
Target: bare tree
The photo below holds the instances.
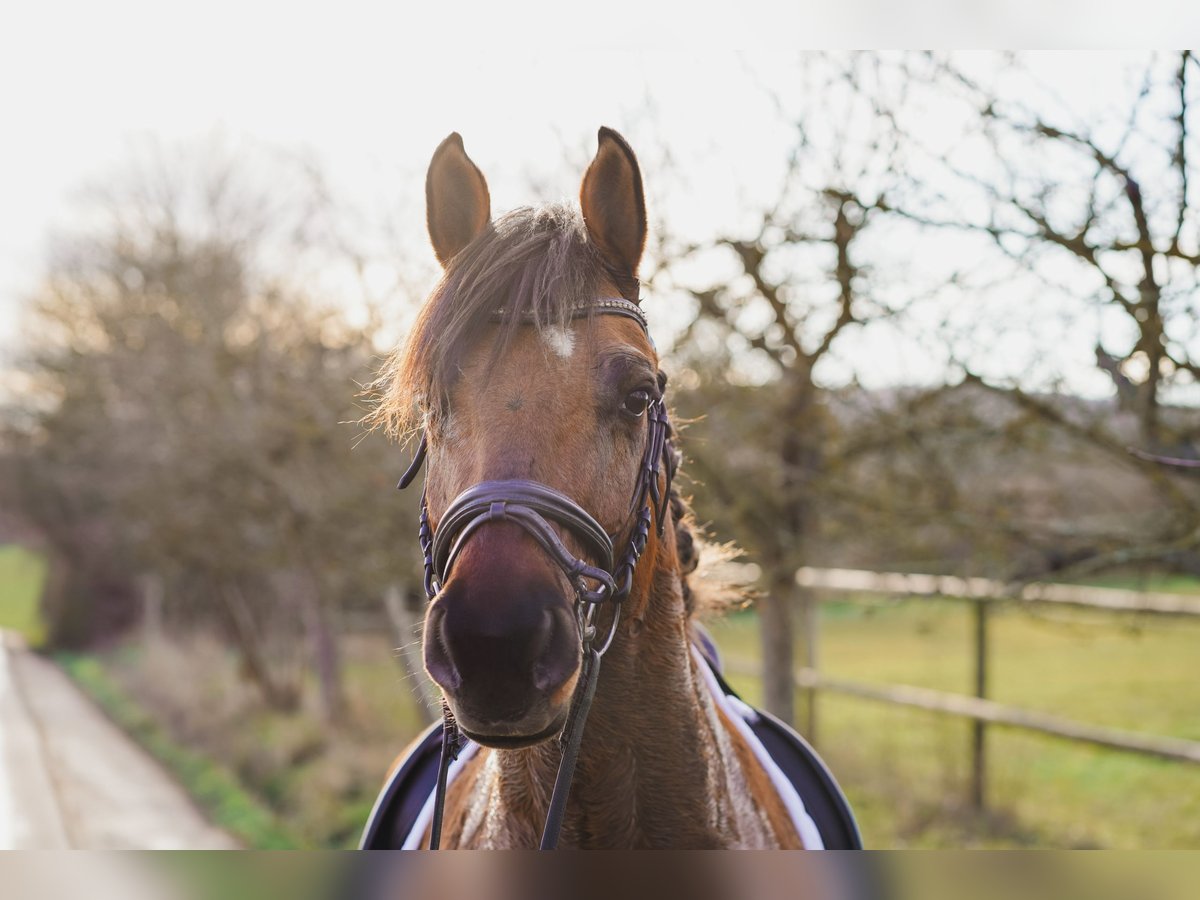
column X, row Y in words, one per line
column 194, row 415
column 1097, row 213
column 793, row 287
column 1017, row 221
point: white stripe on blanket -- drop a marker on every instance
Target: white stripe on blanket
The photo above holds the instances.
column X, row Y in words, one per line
column 425, row 818
column 741, row 715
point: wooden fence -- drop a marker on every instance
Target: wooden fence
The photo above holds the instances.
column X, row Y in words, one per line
column 983, row 712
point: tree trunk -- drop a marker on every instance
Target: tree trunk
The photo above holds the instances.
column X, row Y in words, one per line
column 153, row 596
column 250, row 646
column 776, row 636
column 323, row 642
column 801, row 461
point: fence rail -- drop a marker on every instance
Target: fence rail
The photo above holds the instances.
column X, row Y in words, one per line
column 901, row 583
column 982, row 711
column 963, row 706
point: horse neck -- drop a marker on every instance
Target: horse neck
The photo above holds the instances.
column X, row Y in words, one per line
column 650, row 738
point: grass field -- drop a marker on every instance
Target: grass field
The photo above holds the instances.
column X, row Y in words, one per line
column 906, row 770
column 22, row 574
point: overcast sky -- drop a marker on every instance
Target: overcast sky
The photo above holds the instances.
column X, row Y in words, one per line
column 369, row 96
column 370, row 110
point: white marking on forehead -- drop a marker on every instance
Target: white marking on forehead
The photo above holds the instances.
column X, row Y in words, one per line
column 560, row 340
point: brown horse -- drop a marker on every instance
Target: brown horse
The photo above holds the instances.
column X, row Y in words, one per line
column 507, row 381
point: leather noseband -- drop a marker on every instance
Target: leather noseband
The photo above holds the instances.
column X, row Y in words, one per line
column 529, row 504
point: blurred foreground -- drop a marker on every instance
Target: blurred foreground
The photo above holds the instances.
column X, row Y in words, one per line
column 708, row 876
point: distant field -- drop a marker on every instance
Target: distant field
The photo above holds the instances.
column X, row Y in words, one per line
column 906, row 770
column 22, row 576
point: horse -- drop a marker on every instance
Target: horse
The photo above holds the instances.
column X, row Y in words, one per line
column 553, row 539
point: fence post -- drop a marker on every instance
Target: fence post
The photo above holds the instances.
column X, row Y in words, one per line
column 978, row 726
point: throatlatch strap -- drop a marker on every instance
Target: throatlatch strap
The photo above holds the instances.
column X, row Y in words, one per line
column 450, row 746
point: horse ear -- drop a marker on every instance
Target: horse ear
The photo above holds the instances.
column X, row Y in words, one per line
column 614, row 208
column 457, row 204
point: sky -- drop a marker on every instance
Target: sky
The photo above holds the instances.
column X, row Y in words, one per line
column 370, row 115
column 368, row 94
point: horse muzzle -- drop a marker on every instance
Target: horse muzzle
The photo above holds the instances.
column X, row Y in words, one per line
column 502, row 641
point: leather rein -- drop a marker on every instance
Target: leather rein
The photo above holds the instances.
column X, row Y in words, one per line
column 607, row 580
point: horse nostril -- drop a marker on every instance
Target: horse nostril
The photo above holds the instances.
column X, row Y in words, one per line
column 498, row 652
column 438, row 662
column 542, row 635
column 558, row 651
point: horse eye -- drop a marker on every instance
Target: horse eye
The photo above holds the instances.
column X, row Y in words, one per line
column 636, row 403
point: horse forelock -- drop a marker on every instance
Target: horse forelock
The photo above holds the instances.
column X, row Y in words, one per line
column 531, row 262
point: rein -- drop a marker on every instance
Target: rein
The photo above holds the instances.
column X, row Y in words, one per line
column 536, row 508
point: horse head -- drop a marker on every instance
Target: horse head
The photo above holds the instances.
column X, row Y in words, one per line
column 543, row 421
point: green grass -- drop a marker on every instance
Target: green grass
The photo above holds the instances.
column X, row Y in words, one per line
column 253, row 876
column 906, row 770
column 22, row 577
column 214, row 788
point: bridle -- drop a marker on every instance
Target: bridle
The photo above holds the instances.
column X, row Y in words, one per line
column 537, row 508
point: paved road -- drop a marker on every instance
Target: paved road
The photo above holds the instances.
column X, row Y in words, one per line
column 69, row 778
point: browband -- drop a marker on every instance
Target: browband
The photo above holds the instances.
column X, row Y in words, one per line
column 612, row 306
